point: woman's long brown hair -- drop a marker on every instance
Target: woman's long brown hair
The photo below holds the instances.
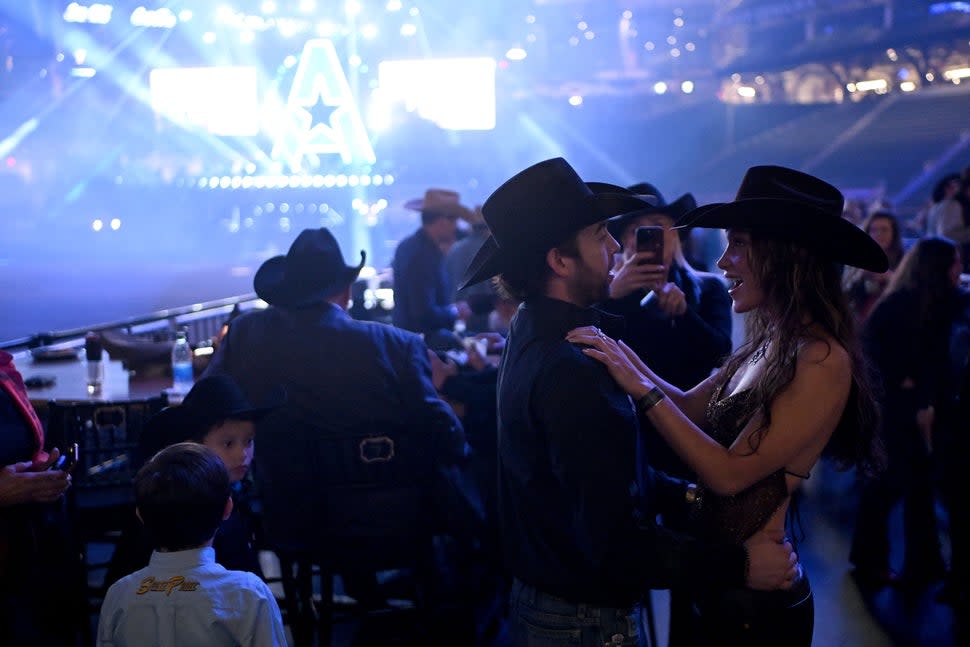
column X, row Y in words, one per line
column 804, row 301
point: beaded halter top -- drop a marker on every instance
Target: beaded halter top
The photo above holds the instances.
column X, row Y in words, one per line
column 736, row 518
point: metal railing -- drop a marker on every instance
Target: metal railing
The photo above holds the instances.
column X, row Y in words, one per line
column 203, row 321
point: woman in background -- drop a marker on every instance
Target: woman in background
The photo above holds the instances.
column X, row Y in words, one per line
column 907, row 338
column 862, row 287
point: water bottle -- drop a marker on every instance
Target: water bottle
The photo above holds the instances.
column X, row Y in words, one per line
column 93, row 352
column 181, row 364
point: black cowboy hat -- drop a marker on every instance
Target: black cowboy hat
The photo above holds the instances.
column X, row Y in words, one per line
column 673, row 210
column 312, row 270
column 537, row 209
column 791, row 206
column 211, row 400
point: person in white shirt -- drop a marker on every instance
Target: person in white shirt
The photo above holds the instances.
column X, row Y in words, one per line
column 183, row 598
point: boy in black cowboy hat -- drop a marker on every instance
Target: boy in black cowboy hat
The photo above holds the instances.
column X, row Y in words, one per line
column 581, row 546
column 214, row 413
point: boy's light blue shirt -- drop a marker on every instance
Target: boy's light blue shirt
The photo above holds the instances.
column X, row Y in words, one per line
column 185, row 599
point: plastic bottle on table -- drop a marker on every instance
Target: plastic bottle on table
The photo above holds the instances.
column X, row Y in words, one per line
column 182, row 378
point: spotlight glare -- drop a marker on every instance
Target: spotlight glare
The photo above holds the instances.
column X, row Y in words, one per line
column 516, row 54
column 369, row 31
column 408, row 29
column 289, row 61
column 268, row 6
column 687, row 87
column 97, row 225
column 660, row 87
column 747, row 92
column 209, row 37
column 393, row 5
column 115, row 224
column 352, row 7
column 246, row 37
column 575, row 100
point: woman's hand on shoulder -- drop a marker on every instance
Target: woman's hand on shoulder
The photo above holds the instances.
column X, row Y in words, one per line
column 620, row 360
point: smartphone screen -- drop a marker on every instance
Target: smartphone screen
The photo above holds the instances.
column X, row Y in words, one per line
column 650, row 239
column 66, row 460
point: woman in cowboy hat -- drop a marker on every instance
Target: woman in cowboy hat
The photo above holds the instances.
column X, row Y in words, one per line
column 214, row 413
column 754, row 430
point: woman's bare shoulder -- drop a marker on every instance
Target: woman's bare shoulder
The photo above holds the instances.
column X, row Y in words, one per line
column 826, row 353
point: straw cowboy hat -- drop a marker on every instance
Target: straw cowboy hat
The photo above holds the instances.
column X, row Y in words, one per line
column 440, row 201
column 795, row 207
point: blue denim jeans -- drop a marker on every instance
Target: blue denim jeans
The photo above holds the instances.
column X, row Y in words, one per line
column 538, row 619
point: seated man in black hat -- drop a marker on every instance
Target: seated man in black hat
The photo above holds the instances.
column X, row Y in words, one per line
column 578, row 511
column 339, row 373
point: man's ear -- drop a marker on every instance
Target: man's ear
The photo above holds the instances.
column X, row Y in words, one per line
column 560, row 264
column 228, row 509
column 138, row 514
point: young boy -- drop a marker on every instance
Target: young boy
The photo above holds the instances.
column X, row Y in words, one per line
column 217, row 414
column 183, row 598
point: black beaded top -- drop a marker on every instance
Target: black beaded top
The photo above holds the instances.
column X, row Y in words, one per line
column 736, row 518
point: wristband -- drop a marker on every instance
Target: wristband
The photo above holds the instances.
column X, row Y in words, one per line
column 649, row 400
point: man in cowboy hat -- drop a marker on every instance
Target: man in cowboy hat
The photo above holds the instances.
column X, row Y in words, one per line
column 480, row 298
column 581, row 545
column 332, row 366
column 678, row 320
column 344, row 373
column 422, row 289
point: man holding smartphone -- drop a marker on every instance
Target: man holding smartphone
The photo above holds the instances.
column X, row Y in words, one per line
column 677, row 319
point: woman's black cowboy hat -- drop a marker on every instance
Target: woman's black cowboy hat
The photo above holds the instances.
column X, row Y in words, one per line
column 311, row 271
column 795, row 207
column 211, row 400
column 537, row 209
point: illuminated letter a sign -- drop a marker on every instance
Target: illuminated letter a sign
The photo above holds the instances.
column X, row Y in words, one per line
column 320, row 79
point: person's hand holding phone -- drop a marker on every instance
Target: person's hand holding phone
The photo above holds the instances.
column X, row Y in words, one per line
column 639, row 272
column 33, row 481
column 671, row 300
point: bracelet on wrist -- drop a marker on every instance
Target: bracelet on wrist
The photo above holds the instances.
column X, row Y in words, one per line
column 650, row 399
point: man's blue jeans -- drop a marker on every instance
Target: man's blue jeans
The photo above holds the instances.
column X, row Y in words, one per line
column 538, row 619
